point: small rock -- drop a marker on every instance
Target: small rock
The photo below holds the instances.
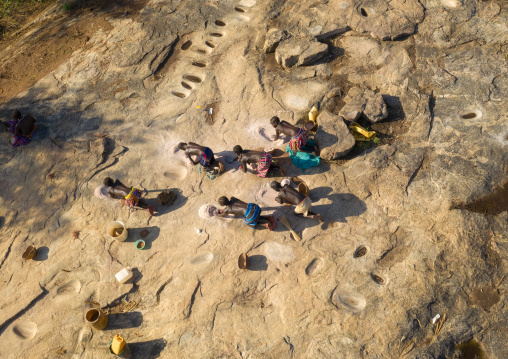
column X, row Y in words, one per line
column 393, row 256
column 315, row 51
column 333, row 137
column 273, row 38
column 360, row 101
column 299, row 51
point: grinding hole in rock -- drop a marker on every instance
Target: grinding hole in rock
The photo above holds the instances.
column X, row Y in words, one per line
column 207, row 211
column 186, row 45
column 186, row 85
column 378, row 279
column 176, row 173
column 239, row 9
column 202, row 259
column 363, row 12
column 210, row 44
column 193, row 78
column 179, row 94
column 220, row 23
column 201, row 51
column 217, row 34
column 360, row 252
column 469, row 116
column 199, row 64
column 73, row 286
column 25, row 330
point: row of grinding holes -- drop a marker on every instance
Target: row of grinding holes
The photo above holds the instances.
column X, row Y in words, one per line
column 187, row 45
column 360, row 252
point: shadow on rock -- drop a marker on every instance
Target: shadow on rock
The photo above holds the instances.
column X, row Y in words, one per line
column 227, row 157
column 147, row 350
column 148, row 234
column 257, row 263
column 343, row 205
column 124, row 320
column 42, row 254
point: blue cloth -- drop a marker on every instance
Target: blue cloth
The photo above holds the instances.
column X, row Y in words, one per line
column 206, row 157
column 252, row 215
column 304, row 160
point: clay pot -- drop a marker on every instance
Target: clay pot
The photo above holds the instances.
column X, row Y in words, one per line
column 96, row 318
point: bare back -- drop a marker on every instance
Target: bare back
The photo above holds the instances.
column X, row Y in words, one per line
column 290, row 195
column 236, row 207
column 25, row 126
column 287, row 129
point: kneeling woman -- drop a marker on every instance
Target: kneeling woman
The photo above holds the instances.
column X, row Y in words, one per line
column 130, row 197
column 250, row 212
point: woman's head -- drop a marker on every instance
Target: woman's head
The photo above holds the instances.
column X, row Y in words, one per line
column 223, row 201
column 275, row 185
column 16, row 115
column 238, row 150
column 274, row 121
column 108, row 181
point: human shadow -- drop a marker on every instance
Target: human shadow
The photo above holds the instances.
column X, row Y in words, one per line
column 42, row 254
column 141, row 233
column 124, row 320
column 108, row 145
column 147, row 350
column 342, row 205
column 257, row 263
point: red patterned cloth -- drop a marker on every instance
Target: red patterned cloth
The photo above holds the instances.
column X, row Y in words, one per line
column 299, row 140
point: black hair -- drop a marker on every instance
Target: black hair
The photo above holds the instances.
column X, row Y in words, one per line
column 238, row 149
column 181, row 145
column 223, row 201
column 16, row 115
column 108, row 181
column 274, row 121
column 275, row 185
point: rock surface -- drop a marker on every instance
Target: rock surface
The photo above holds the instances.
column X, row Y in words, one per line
column 273, row 38
column 333, row 136
column 299, row 51
column 407, row 201
column 365, row 102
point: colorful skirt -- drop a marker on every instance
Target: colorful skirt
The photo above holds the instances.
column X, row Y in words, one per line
column 299, row 140
column 264, row 164
column 132, row 198
column 20, row 140
column 206, row 157
column 252, row 215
